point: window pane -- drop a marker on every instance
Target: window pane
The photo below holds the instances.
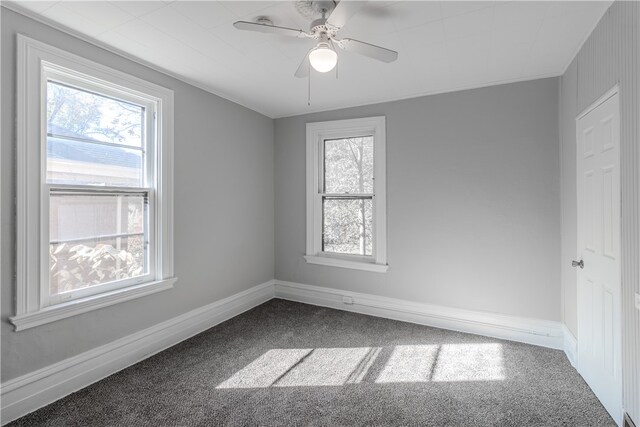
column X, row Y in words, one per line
column 347, row 226
column 95, row 239
column 77, row 113
column 82, row 216
column 88, row 138
column 348, row 165
column 81, row 163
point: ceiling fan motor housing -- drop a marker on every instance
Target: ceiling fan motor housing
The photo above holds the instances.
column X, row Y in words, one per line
column 319, row 28
column 318, row 25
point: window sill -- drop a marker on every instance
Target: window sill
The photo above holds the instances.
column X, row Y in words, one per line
column 94, row 302
column 345, row 263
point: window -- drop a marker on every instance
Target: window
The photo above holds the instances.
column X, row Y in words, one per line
column 346, row 200
column 94, row 186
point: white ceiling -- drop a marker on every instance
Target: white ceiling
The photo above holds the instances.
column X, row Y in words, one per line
column 443, row 46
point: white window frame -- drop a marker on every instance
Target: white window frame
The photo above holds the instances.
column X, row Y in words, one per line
column 36, row 63
column 317, row 133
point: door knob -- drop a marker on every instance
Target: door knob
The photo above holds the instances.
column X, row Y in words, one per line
column 577, row 264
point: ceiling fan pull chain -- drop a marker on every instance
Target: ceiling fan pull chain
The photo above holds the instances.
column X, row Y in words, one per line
column 334, row 49
column 309, row 90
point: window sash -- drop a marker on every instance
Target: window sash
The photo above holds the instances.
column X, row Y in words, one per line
column 46, row 299
column 373, row 236
column 321, row 150
column 320, row 197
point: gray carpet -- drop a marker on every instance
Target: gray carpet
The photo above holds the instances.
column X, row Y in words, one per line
column 286, row 363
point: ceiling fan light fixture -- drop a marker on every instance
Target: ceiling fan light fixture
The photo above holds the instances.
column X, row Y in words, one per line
column 323, row 59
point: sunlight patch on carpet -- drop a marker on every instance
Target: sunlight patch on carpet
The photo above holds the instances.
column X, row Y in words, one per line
column 409, row 364
column 308, row 367
column 304, row 367
column 440, row 363
column 469, row 362
column 326, row 367
column 266, row 369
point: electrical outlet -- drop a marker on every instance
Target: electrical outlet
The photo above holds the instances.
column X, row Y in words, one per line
column 347, row 300
column 638, row 301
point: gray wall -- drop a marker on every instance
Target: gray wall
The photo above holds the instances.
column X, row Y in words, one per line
column 611, row 55
column 568, row 191
column 473, row 201
column 224, row 223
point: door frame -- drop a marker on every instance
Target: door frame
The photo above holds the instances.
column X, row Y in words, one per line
column 615, row 90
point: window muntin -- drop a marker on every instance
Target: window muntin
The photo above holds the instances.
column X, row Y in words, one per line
column 99, row 179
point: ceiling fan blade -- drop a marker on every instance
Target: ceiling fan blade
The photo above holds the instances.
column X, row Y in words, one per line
column 370, row 50
column 270, row 29
column 304, row 67
column 343, row 11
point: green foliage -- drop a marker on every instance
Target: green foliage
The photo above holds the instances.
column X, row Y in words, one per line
column 80, row 266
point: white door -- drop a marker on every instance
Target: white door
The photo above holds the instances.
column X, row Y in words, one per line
column 599, row 279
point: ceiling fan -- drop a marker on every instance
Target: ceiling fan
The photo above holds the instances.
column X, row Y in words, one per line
column 323, row 57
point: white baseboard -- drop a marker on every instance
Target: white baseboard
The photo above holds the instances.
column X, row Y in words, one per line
column 531, row 331
column 29, row 392
column 570, row 345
